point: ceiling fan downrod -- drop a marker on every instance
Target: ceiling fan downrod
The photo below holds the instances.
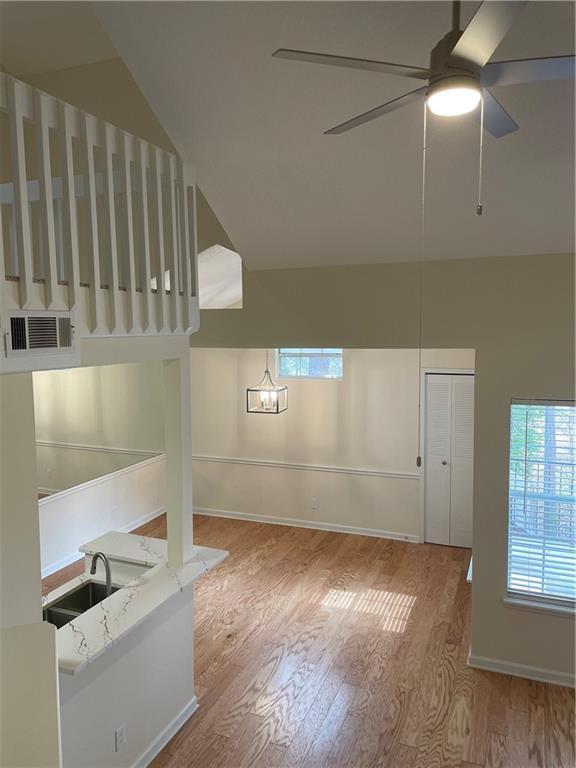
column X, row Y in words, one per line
column 455, row 15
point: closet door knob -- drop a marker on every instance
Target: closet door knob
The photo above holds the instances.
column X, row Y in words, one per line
column 444, row 463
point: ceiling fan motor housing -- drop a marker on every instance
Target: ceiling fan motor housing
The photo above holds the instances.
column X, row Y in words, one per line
column 445, row 67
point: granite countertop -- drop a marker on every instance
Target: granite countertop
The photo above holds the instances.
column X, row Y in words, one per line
column 86, row 637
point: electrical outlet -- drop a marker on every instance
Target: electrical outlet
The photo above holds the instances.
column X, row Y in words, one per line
column 315, row 503
column 119, row 737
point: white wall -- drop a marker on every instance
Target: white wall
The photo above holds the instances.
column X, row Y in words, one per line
column 120, row 501
column 145, row 681
column 118, row 406
column 19, row 533
column 62, row 466
column 353, row 442
column 29, row 734
column 349, row 444
column 29, row 697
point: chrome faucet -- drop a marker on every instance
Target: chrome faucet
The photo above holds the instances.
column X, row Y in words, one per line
column 106, row 562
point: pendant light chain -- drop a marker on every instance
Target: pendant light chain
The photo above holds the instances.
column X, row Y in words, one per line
column 421, row 282
column 479, row 206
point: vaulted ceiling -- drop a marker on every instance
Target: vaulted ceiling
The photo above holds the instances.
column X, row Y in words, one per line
column 289, row 196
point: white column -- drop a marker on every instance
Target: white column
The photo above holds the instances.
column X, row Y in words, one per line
column 178, row 436
column 20, row 589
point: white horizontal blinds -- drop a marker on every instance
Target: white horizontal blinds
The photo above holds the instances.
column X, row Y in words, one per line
column 310, row 363
column 542, row 500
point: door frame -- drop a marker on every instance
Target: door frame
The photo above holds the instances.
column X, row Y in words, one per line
column 422, row 405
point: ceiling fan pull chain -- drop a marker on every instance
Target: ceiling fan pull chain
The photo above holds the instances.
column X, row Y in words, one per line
column 479, row 206
column 421, row 283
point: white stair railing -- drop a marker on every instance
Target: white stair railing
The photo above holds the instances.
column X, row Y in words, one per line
column 93, row 219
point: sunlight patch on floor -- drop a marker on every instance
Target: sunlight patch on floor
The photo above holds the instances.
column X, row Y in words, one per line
column 393, row 607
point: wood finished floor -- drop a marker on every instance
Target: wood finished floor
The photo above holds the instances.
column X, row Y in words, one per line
column 325, row 650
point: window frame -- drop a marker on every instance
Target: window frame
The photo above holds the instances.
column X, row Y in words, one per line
column 278, row 354
column 516, row 598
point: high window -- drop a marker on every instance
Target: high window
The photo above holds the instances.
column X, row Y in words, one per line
column 542, row 501
column 318, row 363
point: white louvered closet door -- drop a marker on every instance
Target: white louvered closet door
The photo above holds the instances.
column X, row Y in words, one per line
column 448, row 459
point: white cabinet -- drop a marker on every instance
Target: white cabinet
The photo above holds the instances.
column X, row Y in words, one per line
column 448, row 458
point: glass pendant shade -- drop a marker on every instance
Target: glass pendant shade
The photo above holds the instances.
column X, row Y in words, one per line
column 266, row 396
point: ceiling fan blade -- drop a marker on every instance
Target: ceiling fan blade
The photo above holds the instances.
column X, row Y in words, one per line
column 496, row 120
column 528, row 70
column 372, row 114
column 349, row 62
column 486, row 31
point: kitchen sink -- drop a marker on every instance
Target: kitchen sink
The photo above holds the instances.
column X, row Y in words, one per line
column 74, row 603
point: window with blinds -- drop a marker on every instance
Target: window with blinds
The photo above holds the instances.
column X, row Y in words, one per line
column 542, row 501
column 313, row 363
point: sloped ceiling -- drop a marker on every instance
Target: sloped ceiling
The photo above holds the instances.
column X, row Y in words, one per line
column 39, row 37
column 289, row 196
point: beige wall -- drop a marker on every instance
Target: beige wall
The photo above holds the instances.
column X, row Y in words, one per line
column 517, row 313
column 350, row 445
column 108, row 90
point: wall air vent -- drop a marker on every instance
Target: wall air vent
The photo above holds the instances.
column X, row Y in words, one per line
column 18, row 331
column 65, row 331
column 39, row 333
column 42, row 333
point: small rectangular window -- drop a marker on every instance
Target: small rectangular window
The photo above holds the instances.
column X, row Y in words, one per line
column 542, row 500
column 313, row 363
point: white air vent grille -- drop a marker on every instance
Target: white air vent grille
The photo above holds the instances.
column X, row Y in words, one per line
column 42, row 333
column 35, row 333
column 65, row 331
column 18, row 331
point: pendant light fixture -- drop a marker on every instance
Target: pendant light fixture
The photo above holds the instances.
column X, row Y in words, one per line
column 266, row 396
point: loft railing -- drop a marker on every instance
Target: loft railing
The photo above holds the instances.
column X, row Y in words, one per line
column 92, row 219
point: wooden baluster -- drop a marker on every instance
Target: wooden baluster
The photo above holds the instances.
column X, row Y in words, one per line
column 13, row 243
column 46, row 220
column 16, row 110
column 70, row 218
column 127, row 151
column 142, row 164
column 161, row 297
column 116, row 319
column 185, row 249
column 175, row 279
column 89, row 139
column 2, row 272
column 59, row 234
column 193, row 254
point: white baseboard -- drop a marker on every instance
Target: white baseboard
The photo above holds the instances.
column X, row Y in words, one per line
column 74, row 556
column 315, row 524
column 171, row 729
column 522, row 670
column 142, row 520
column 59, row 564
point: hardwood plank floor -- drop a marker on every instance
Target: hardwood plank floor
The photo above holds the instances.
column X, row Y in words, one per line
column 327, row 650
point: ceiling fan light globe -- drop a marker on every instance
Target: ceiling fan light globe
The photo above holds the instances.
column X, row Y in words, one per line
column 449, row 98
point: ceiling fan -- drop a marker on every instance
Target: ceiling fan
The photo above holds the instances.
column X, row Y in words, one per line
column 459, row 72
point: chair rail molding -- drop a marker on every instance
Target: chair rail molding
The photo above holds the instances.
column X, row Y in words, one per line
column 307, row 467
